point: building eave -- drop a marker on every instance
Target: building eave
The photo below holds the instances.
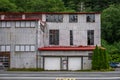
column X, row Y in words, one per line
column 20, row 19
column 67, row 48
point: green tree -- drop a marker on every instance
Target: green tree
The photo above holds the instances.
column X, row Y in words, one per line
column 111, row 24
column 40, row 5
column 113, row 50
column 7, row 6
column 95, row 59
column 100, row 59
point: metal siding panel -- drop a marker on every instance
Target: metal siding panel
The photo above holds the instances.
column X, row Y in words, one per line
column 52, row 63
column 74, row 63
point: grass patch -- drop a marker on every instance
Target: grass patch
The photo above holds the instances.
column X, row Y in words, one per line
column 102, row 70
column 25, row 69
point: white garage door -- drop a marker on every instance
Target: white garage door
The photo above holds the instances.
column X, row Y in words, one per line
column 74, row 63
column 52, row 63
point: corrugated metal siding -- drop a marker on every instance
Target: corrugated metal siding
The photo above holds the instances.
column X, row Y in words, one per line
column 65, row 53
column 79, row 30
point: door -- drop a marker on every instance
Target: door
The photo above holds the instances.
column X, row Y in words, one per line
column 52, row 63
column 5, row 59
column 74, row 63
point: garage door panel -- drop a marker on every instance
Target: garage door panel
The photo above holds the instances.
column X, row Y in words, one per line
column 74, row 63
column 52, row 63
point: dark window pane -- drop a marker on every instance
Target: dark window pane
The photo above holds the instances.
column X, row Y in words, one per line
column 90, row 17
column 54, row 37
column 90, row 37
column 73, row 18
column 90, row 56
column 54, row 18
column 71, row 37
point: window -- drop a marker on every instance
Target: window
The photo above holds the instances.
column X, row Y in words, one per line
column 4, row 48
column 7, row 48
column 32, row 48
column 5, row 24
column 73, row 18
column 54, row 37
column 8, row 24
column 33, row 24
column 27, row 48
column 18, row 24
column 90, row 17
column 90, row 56
column 24, row 48
column 28, row 24
column 17, row 48
column 71, row 37
column 90, row 37
column 54, row 18
column 25, row 24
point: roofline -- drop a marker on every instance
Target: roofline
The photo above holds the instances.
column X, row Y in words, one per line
column 50, row 13
column 20, row 19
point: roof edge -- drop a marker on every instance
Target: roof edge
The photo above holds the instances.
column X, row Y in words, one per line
column 67, row 48
column 20, row 19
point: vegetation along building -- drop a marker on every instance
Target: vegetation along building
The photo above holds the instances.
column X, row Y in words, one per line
column 52, row 41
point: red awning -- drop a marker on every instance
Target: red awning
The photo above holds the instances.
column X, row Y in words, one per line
column 67, row 48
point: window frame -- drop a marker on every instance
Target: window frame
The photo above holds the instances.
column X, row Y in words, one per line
column 54, row 37
column 24, row 24
column 90, row 37
column 90, row 56
column 5, row 48
column 5, row 24
column 24, row 48
column 90, row 18
column 73, row 18
column 71, row 37
column 54, row 18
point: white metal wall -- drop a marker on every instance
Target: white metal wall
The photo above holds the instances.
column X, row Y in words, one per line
column 65, row 53
column 13, row 36
column 86, row 61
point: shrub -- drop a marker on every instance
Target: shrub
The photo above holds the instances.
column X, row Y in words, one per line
column 25, row 69
column 100, row 59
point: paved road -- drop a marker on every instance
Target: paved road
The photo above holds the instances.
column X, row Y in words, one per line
column 113, row 75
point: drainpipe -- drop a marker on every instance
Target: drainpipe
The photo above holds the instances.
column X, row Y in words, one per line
column 37, row 25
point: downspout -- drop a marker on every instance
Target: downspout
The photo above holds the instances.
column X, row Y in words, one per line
column 37, row 25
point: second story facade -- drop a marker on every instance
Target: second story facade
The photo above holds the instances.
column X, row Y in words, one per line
column 72, row 29
column 58, row 29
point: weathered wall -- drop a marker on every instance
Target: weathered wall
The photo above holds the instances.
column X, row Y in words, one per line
column 20, row 36
column 79, row 30
column 86, row 61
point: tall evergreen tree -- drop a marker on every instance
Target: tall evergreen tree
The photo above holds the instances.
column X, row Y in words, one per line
column 99, row 59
